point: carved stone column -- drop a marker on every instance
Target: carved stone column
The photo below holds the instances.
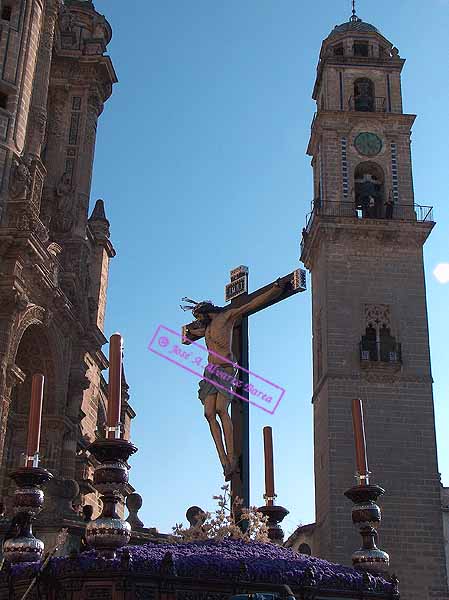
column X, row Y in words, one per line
column 81, row 66
column 56, row 135
column 38, row 113
column 19, row 55
column 94, row 109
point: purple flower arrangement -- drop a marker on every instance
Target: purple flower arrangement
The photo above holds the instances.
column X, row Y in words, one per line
column 262, row 563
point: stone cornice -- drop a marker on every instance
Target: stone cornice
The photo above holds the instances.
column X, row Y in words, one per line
column 388, row 64
column 96, row 71
column 384, row 375
column 388, row 233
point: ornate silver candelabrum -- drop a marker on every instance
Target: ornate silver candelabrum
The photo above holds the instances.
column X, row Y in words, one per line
column 28, row 503
column 366, row 516
column 109, row 532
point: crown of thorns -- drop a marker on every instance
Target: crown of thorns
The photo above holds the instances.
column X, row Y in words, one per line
column 193, row 305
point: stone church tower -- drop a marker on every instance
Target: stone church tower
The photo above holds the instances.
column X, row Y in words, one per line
column 363, row 244
column 55, row 77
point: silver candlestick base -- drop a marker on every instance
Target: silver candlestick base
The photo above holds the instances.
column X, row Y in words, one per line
column 28, row 503
column 109, row 532
column 366, row 516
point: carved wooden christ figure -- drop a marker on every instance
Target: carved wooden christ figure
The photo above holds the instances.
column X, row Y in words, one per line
column 217, row 324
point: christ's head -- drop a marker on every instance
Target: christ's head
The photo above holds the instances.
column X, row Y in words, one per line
column 205, row 311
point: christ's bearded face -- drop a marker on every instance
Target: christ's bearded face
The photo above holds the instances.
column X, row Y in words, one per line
column 203, row 317
column 204, row 313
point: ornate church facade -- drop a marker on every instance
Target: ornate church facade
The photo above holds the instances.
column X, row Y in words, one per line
column 363, row 244
column 55, row 77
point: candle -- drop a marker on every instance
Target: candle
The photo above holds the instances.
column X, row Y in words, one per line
column 115, row 385
column 269, row 467
column 35, row 418
column 360, row 442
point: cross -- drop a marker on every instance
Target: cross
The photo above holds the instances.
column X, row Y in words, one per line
column 236, row 293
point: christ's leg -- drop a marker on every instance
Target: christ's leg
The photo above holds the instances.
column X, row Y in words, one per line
column 210, row 412
column 222, row 406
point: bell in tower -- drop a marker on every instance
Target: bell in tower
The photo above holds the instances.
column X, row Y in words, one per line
column 363, row 244
column 364, row 95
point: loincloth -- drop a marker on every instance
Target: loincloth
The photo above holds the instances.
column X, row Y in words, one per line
column 226, row 382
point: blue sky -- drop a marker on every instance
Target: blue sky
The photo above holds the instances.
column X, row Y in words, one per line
column 201, row 162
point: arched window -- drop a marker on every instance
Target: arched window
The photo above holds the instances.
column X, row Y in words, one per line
column 361, row 48
column 377, row 343
column 388, row 346
column 369, row 344
column 369, row 190
column 6, row 13
column 3, row 100
column 34, row 355
column 305, row 549
column 364, row 95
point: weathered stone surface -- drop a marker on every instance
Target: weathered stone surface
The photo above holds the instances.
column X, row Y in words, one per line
column 54, row 264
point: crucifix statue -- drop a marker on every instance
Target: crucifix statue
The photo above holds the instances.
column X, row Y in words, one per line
column 226, row 333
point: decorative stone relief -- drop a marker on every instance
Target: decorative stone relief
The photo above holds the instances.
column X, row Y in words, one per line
column 63, row 218
column 93, row 110
column 21, row 179
column 377, row 315
column 14, row 376
column 14, row 300
column 57, row 111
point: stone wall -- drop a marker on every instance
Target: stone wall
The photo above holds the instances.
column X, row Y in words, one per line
column 355, row 264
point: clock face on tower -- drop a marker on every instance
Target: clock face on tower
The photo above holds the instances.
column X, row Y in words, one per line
column 368, row 144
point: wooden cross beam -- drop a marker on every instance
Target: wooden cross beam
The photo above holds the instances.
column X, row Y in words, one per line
column 237, row 293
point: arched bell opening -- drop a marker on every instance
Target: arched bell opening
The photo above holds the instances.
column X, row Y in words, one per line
column 364, row 95
column 369, row 186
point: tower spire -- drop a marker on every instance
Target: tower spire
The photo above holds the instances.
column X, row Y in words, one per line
column 354, row 16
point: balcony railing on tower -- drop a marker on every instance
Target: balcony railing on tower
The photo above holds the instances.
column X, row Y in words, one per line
column 367, row 104
column 399, row 212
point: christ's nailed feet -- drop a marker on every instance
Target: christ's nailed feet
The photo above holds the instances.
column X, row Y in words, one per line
column 229, row 469
column 227, row 472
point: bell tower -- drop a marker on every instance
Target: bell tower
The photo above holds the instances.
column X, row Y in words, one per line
column 363, row 243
